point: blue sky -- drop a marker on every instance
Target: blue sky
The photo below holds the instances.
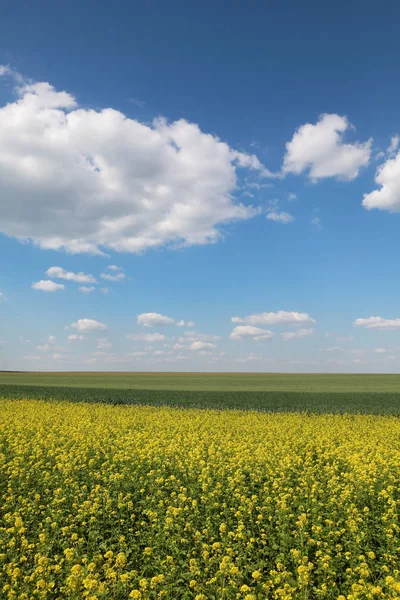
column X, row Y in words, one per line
column 240, row 166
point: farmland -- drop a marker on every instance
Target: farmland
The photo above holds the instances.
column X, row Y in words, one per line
column 153, row 502
column 371, row 394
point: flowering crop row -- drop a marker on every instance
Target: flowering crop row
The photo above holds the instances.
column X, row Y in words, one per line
column 138, row 502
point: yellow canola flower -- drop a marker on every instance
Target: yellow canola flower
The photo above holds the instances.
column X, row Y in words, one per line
column 106, row 502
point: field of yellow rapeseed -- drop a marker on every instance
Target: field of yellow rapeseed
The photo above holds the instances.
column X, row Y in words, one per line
column 138, row 502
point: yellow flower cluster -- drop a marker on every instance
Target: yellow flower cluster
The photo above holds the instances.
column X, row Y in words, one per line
column 103, row 502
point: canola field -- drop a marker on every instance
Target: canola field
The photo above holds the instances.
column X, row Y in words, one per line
column 120, row 502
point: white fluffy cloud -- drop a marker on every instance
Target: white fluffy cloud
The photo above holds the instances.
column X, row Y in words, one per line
column 387, row 197
column 75, row 338
column 147, row 337
column 86, row 289
column 109, row 277
column 275, row 318
column 86, row 325
column 45, row 285
column 280, row 217
column 292, row 335
column 154, row 320
column 83, row 180
column 201, row 346
column 248, row 332
column 158, row 320
column 381, row 350
column 378, row 323
column 1, row 296
column 114, row 268
column 320, row 150
column 60, row 273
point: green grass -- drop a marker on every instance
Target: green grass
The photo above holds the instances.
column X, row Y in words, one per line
column 227, row 382
column 372, row 394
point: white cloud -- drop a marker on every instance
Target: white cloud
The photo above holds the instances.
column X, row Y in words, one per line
column 104, row 291
column 280, row 217
column 147, row 337
column 248, row 332
column 83, row 180
column 4, row 70
column 116, row 277
column 60, row 273
column 154, row 320
column 381, row 350
column 378, row 323
column 114, row 268
column 1, row 296
column 292, row 335
column 345, row 338
column 47, row 286
column 139, row 353
column 86, row 289
column 86, row 325
column 388, row 196
column 51, row 339
column 56, row 356
column 394, row 144
column 320, row 150
column 275, row 318
column 32, row 357
column 43, row 347
column 190, row 324
column 291, row 197
column 201, row 346
column 316, row 221
column 103, row 343
column 180, row 323
column 75, row 338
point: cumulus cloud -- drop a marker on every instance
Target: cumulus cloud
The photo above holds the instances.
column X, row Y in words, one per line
column 86, row 289
column 378, row 323
column 110, row 277
column 201, row 346
column 154, row 320
column 60, row 273
column 147, row 337
column 292, row 335
column 381, row 350
column 85, row 180
column 248, row 332
column 45, row 285
column 387, row 197
column 280, row 217
column 75, row 338
column 275, row 318
column 321, row 151
column 114, row 268
column 87, row 325
column 158, row 320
